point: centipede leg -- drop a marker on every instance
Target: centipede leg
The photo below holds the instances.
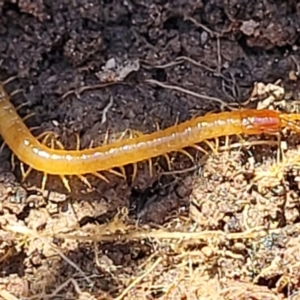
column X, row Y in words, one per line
column 21, row 105
column 184, row 152
column 102, row 177
column 210, row 145
column 44, row 181
column 2, row 146
column 12, row 161
column 81, row 177
column 106, row 138
column 240, row 144
column 105, row 142
column 134, row 165
column 123, row 171
column 166, row 155
column 28, row 117
column 121, row 174
column 134, row 172
column 65, row 182
column 8, row 80
column 150, row 167
column 217, row 145
column 77, row 141
column 132, row 133
column 168, row 161
column 46, row 136
column 22, row 168
column 280, row 153
column 200, row 149
column 26, row 173
column 23, row 172
column 226, row 142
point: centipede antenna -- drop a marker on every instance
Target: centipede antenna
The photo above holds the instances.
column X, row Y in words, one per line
column 102, row 177
column 295, row 127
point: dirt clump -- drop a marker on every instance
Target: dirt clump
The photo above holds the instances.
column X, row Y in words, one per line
column 222, row 227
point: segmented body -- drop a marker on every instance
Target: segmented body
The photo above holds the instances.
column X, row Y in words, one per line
column 117, row 154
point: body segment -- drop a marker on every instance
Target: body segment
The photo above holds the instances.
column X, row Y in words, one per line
column 76, row 162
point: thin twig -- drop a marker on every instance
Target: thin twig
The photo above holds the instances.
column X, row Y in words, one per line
column 188, row 92
column 139, row 279
column 89, row 87
column 106, row 109
column 213, row 33
column 31, row 233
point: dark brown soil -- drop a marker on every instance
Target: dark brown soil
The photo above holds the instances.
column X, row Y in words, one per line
column 228, row 230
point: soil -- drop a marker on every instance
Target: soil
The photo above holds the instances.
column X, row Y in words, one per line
column 225, row 226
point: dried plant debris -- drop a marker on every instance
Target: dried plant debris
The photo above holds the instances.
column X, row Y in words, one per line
column 224, row 227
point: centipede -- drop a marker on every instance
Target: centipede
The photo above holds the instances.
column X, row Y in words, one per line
column 37, row 155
